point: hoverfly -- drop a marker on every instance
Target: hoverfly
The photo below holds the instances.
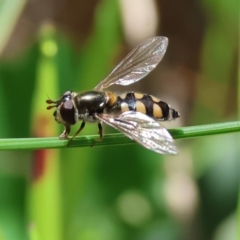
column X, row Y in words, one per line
column 137, row 115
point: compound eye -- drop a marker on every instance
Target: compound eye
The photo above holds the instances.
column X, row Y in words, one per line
column 67, row 112
column 67, row 105
column 65, row 97
column 67, row 94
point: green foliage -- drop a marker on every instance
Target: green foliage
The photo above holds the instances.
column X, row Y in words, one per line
column 117, row 190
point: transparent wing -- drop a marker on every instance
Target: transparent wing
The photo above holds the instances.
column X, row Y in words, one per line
column 137, row 64
column 143, row 130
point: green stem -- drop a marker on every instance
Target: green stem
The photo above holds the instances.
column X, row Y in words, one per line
column 115, row 138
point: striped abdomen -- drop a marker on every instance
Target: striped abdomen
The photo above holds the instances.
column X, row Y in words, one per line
column 145, row 103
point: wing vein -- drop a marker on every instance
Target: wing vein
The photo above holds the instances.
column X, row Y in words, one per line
column 137, row 64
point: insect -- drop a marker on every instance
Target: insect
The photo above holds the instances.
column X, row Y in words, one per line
column 135, row 114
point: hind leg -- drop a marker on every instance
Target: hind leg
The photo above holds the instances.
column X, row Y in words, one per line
column 100, row 132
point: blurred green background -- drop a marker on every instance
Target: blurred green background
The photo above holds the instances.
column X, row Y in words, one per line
column 119, row 192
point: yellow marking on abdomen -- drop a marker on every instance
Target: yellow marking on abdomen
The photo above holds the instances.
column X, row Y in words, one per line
column 155, row 99
column 140, row 107
column 138, row 95
column 123, row 95
column 124, row 107
column 157, row 111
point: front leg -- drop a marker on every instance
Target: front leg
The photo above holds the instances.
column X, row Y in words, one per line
column 65, row 133
column 78, row 131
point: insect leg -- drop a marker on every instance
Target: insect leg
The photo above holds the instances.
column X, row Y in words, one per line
column 78, row 131
column 66, row 132
column 100, row 132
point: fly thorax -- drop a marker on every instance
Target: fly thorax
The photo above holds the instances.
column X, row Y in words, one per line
column 90, row 103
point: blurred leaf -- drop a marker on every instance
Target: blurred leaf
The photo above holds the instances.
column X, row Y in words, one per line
column 218, row 174
column 227, row 229
column 12, row 207
column 93, row 63
column 44, row 197
column 218, row 59
column 17, row 99
column 4, row 126
column 96, row 57
column 10, row 11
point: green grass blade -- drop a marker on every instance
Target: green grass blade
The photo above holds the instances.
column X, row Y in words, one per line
column 114, row 139
column 205, row 130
